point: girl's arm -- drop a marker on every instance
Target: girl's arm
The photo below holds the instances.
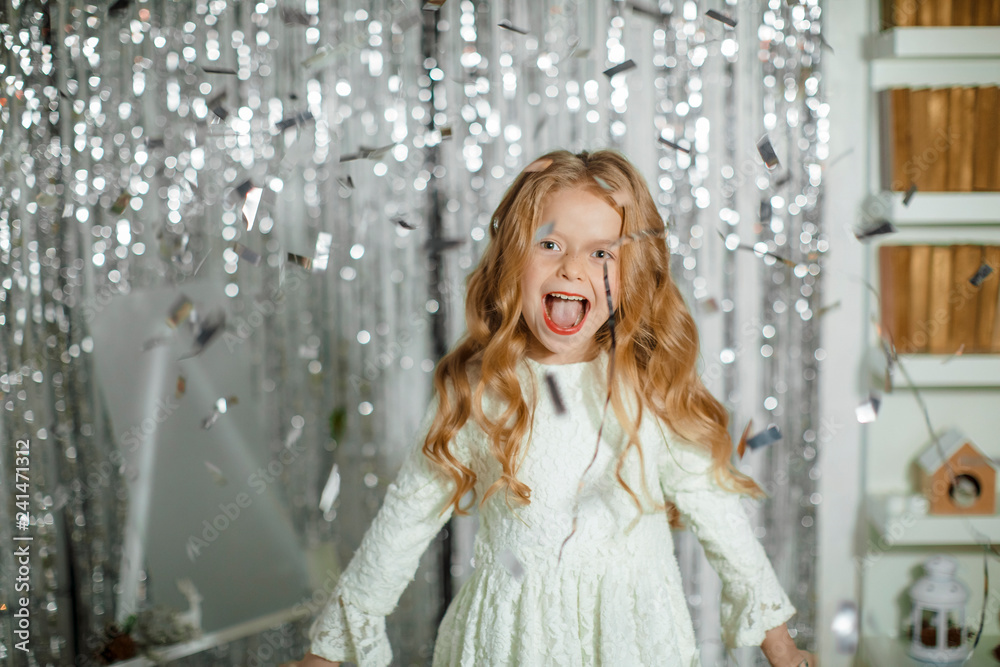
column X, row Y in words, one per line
column 352, row 626
column 780, row 650
column 753, row 601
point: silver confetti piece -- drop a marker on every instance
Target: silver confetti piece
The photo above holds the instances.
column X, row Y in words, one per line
column 867, row 412
column 246, row 253
column 511, row 563
column 321, row 258
column 764, row 438
column 217, row 475
column 557, row 401
column 845, row 627
column 767, row 153
column 621, row 67
column 982, row 274
column 676, row 146
column 211, row 69
column 297, row 119
column 544, row 231
column 507, row 25
column 300, row 260
column 180, row 311
column 718, row 16
column 330, row 491
column 880, row 227
column 909, row 194
column 250, row 205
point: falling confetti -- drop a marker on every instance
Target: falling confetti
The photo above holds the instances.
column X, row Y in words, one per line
column 767, row 153
column 718, row 16
column 676, row 146
column 346, row 182
column 181, row 386
column 557, row 400
column 208, row 330
column 766, row 211
column 250, row 205
column 909, row 194
column 402, row 222
column 507, row 25
column 867, row 412
column 217, row 475
column 845, row 627
column 443, row 245
column 300, row 260
column 220, row 408
column 180, row 311
column 648, row 10
column 544, row 231
column 982, row 274
column 121, row 203
column 292, row 121
column 246, row 253
column 330, row 491
column 621, row 67
column 119, row 8
column 321, row 258
column 218, row 70
column 764, row 438
column 216, row 107
column 511, row 563
column 880, row 227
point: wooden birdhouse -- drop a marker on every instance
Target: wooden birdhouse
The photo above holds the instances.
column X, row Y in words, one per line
column 956, row 477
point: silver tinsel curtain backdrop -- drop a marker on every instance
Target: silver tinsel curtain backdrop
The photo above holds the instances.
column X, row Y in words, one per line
column 233, row 240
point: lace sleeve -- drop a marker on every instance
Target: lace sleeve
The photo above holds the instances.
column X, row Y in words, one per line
column 753, row 600
column 352, row 626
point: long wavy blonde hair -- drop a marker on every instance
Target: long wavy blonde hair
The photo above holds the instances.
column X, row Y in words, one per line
column 656, row 346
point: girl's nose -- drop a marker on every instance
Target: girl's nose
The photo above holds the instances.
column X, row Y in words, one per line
column 571, row 267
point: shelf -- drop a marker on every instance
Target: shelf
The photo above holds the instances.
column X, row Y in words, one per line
column 936, row 208
column 883, row 651
column 934, row 72
column 945, row 371
column 909, row 530
column 937, row 42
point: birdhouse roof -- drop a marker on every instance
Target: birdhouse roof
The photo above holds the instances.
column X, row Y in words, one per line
column 950, row 442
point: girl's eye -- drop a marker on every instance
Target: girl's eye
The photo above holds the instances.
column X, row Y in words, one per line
column 549, row 245
column 603, row 254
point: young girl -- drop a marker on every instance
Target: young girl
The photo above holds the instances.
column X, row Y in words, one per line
column 571, row 308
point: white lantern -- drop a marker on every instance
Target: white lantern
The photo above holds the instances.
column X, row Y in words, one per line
column 938, row 616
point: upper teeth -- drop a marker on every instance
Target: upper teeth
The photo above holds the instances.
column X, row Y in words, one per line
column 569, row 298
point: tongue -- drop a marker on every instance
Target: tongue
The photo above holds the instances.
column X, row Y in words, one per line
column 563, row 312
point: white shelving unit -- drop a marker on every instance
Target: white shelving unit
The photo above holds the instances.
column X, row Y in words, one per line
column 963, row 56
column 963, row 42
column 910, row 530
column 941, row 371
column 896, row 544
column 947, row 209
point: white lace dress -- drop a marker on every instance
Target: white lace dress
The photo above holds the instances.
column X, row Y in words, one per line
column 616, row 597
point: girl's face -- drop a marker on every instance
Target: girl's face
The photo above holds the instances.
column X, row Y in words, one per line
column 563, row 300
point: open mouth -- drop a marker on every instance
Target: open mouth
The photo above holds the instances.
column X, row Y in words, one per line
column 565, row 313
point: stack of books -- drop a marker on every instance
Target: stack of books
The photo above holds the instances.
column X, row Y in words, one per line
column 941, row 139
column 941, row 299
column 908, row 13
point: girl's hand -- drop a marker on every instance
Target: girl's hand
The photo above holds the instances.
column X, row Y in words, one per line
column 311, row 660
column 803, row 659
column 780, row 650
